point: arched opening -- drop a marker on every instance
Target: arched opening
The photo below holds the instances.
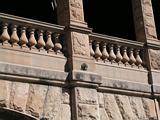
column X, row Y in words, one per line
column 6, row 114
column 156, row 11
column 35, row 9
column 110, row 17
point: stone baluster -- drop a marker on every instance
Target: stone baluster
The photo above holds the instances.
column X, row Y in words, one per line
column 138, row 58
column 49, row 44
column 105, row 54
column 57, row 43
column 91, row 49
column 125, row 56
column 23, row 39
column 118, row 54
column 132, row 59
column 40, row 43
column 98, row 53
column 112, row 55
column 4, row 38
column 32, row 41
column 14, row 37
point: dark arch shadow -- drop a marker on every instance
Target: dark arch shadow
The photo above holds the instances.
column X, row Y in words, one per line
column 34, row 9
column 156, row 11
column 7, row 114
column 110, row 17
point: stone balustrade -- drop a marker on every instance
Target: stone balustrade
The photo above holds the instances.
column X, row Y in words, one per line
column 116, row 50
column 30, row 34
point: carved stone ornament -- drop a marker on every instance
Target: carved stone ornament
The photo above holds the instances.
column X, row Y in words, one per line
column 155, row 59
column 80, row 44
column 76, row 10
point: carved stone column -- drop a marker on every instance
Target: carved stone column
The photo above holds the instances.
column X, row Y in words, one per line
column 80, row 64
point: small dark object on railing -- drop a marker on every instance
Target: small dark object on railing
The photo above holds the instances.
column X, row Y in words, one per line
column 84, row 67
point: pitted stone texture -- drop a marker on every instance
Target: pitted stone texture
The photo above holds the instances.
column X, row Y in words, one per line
column 111, row 107
column 124, row 107
column 101, row 100
column 66, row 112
column 88, row 112
column 144, row 20
column 155, row 59
column 35, row 103
column 149, row 19
column 65, row 96
column 52, row 105
column 76, row 10
column 87, row 96
column 103, row 114
column 19, row 95
column 137, row 107
column 149, row 107
column 80, row 44
column 5, row 88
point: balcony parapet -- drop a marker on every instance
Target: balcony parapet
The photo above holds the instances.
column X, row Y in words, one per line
column 31, row 34
column 117, row 50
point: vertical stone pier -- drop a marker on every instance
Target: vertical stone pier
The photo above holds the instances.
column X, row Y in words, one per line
column 146, row 32
column 83, row 80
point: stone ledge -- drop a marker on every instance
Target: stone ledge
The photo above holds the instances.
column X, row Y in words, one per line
column 125, row 85
column 84, row 78
column 20, row 71
column 154, row 44
column 155, row 76
column 156, row 90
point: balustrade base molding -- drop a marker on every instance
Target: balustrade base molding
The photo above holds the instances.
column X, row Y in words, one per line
column 81, row 78
column 125, row 87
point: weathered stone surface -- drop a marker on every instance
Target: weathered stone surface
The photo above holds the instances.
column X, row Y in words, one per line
column 101, row 100
column 103, row 114
column 19, row 95
column 65, row 96
column 88, row 112
column 5, row 88
column 124, row 107
column 149, row 19
column 122, row 73
column 111, row 107
column 155, row 59
column 33, row 71
column 65, row 112
column 80, row 44
column 144, row 20
column 87, row 96
column 76, row 10
column 149, row 107
column 52, row 106
column 35, row 103
column 137, row 107
column 91, row 77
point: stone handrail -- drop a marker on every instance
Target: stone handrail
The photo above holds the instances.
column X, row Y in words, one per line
column 31, row 34
column 116, row 50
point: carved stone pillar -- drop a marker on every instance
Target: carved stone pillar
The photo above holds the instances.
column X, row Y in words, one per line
column 80, row 64
column 71, row 15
